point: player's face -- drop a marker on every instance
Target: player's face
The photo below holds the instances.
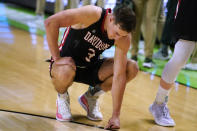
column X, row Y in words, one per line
column 115, row 32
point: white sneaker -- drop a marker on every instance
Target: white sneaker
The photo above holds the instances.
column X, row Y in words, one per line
column 191, row 66
column 148, row 63
column 91, row 105
column 63, row 108
column 39, row 17
column 159, row 55
column 161, row 114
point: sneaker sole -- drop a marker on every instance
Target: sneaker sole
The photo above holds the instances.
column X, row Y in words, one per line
column 147, row 66
column 85, row 108
column 189, row 68
column 63, row 120
column 161, row 58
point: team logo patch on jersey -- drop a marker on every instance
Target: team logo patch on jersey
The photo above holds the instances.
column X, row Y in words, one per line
column 93, row 31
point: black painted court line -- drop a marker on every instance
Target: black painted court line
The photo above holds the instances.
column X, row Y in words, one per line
column 100, row 127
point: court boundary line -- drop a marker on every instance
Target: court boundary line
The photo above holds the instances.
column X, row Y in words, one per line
column 48, row 117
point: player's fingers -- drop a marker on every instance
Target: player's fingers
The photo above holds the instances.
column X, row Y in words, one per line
column 108, row 126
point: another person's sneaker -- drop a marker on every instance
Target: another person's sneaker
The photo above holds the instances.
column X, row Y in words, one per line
column 63, row 107
column 91, row 105
column 191, row 66
column 159, row 55
column 148, row 63
column 161, row 114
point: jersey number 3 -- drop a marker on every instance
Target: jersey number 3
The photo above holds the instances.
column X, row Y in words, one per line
column 91, row 54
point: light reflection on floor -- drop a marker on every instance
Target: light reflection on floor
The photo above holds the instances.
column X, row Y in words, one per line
column 5, row 31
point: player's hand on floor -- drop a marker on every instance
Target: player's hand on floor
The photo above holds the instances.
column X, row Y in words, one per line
column 114, row 123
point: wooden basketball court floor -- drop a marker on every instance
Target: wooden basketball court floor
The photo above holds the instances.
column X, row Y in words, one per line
column 27, row 97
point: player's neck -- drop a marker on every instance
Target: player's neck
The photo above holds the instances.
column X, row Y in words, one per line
column 106, row 22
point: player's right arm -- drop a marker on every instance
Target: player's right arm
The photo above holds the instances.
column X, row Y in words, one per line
column 84, row 16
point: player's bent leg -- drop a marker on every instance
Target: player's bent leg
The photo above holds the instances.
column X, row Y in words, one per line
column 62, row 78
column 107, row 75
column 132, row 69
column 63, row 73
column 106, row 69
column 89, row 100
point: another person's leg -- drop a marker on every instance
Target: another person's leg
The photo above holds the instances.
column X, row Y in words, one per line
column 193, row 63
column 166, row 39
column 163, row 51
column 72, row 4
column 194, row 55
column 149, row 28
column 160, row 21
column 40, row 5
column 139, row 11
column 59, row 6
column 100, row 3
column 159, row 109
column 86, row 2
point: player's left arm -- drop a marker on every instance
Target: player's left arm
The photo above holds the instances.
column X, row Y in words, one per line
column 119, row 79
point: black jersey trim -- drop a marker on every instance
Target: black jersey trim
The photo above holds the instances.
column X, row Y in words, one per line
column 177, row 8
column 103, row 22
column 49, row 117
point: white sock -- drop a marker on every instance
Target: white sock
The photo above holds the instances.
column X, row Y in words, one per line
column 162, row 95
column 63, row 96
column 96, row 91
column 99, row 93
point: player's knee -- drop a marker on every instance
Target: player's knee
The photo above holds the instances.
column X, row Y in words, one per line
column 67, row 61
column 62, row 77
column 65, row 73
column 132, row 69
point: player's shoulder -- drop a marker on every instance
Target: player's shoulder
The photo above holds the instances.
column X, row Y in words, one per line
column 92, row 9
column 90, row 14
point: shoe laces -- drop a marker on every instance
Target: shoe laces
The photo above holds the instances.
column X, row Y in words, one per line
column 94, row 104
column 165, row 111
column 64, row 105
